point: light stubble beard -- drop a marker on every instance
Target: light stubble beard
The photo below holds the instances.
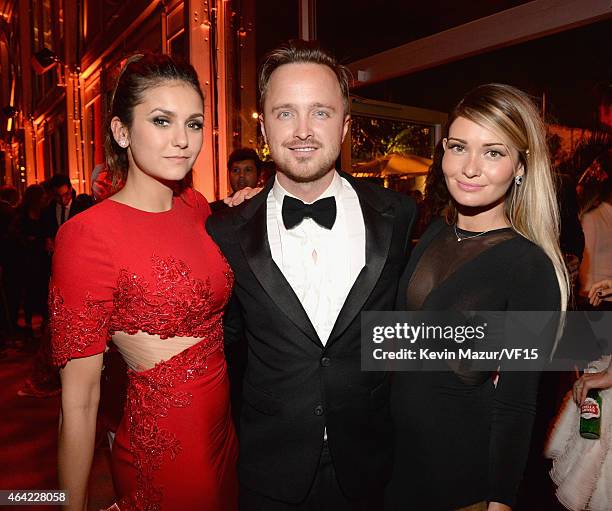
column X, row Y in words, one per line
column 326, row 166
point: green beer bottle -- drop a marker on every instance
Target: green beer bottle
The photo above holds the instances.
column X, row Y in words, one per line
column 590, row 415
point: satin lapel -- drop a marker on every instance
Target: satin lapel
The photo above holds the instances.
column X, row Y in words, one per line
column 254, row 242
column 378, row 231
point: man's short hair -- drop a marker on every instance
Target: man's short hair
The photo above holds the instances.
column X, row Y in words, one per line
column 244, row 153
column 302, row 52
column 59, row 180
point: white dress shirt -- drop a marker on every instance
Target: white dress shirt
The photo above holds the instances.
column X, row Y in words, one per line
column 321, row 265
column 58, row 212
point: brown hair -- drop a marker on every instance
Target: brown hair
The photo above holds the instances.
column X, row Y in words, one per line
column 141, row 72
column 302, row 52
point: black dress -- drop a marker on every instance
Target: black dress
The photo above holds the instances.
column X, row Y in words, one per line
column 459, row 439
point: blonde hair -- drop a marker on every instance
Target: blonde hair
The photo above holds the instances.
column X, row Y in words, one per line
column 531, row 208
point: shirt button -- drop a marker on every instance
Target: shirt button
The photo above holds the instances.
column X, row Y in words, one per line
column 325, row 361
column 318, row 410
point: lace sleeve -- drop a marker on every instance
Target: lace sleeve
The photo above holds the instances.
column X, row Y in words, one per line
column 81, row 292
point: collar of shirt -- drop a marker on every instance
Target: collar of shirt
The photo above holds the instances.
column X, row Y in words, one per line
column 58, row 211
column 58, row 205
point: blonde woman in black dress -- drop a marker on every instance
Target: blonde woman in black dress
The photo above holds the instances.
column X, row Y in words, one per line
column 461, row 438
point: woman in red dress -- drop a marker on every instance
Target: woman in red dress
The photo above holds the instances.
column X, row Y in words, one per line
column 140, row 269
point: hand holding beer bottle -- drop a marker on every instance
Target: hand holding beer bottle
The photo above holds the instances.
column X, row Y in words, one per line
column 590, row 416
column 587, row 397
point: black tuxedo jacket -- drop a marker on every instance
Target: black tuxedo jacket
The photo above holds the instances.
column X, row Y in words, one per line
column 295, row 386
column 49, row 218
column 217, row 205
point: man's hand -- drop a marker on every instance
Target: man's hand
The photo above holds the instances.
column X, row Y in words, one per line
column 241, row 195
column 599, row 291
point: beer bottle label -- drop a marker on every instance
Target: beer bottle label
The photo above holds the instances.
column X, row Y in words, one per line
column 590, row 409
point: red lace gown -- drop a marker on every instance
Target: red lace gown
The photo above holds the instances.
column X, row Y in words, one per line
column 119, row 272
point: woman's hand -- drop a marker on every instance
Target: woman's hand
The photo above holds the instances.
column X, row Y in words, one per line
column 588, row 381
column 241, row 195
column 599, row 291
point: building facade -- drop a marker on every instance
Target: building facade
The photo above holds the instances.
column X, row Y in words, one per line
column 59, row 60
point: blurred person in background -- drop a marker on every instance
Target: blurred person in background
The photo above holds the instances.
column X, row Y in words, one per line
column 82, row 202
column 33, row 277
column 30, row 235
column 8, row 261
column 243, row 168
column 596, row 264
column 582, row 468
column 60, row 208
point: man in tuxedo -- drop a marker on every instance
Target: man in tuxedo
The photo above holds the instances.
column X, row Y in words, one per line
column 309, row 253
column 60, row 209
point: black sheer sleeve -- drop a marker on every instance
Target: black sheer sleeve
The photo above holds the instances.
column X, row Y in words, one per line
column 532, row 285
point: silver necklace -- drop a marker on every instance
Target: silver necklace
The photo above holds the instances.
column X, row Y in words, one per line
column 459, row 238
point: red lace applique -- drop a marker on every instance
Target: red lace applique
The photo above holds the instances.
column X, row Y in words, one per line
column 229, row 277
column 176, row 306
column 150, row 396
column 74, row 330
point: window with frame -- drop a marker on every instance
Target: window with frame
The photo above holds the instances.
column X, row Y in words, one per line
column 47, row 22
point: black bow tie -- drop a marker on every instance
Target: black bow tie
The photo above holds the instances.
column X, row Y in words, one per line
column 322, row 211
